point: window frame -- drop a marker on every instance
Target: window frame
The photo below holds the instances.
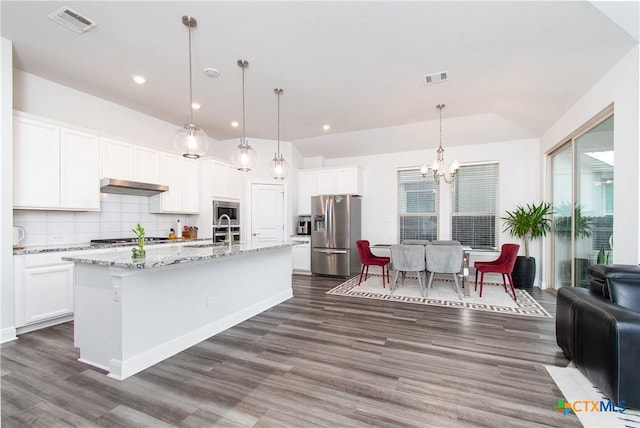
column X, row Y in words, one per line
column 492, row 217
column 411, row 175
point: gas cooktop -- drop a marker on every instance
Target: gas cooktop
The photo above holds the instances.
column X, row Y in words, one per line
column 127, row 240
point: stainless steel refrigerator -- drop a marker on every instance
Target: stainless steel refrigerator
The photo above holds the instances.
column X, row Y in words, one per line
column 335, row 228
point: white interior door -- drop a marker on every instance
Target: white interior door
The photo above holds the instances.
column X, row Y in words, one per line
column 267, row 212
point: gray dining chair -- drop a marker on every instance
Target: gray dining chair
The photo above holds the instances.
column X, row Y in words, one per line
column 444, row 258
column 407, row 258
column 415, row 242
column 445, row 242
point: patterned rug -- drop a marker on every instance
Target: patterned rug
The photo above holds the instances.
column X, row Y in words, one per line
column 442, row 293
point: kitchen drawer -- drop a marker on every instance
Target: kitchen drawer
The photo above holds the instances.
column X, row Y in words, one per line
column 46, row 259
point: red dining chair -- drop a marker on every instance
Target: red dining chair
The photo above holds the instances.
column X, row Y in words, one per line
column 503, row 264
column 367, row 259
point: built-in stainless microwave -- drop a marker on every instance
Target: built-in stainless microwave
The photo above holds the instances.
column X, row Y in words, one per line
column 232, row 209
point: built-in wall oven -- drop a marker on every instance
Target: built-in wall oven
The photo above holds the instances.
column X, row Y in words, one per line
column 220, row 233
column 231, row 209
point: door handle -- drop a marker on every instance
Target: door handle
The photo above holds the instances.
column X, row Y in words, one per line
column 330, row 251
column 255, row 234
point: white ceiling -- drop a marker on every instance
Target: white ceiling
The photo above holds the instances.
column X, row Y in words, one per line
column 354, row 65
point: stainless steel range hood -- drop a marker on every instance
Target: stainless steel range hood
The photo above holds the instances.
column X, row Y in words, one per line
column 126, row 187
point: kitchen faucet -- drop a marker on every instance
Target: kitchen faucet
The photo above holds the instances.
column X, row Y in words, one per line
column 229, row 238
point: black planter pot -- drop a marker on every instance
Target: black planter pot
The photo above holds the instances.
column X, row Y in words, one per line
column 524, row 272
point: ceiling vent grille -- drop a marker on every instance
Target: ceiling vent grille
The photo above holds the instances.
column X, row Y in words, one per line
column 72, row 20
column 430, row 79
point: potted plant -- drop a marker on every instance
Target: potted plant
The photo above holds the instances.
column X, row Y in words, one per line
column 139, row 251
column 527, row 223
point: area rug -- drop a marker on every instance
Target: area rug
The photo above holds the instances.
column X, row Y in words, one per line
column 577, row 389
column 442, row 293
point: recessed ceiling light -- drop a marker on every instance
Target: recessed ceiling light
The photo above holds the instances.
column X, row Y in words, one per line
column 326, row 127
column 235, row 124
column 140, row 80
column 195, row 106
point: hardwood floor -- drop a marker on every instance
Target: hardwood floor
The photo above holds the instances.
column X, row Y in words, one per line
column 315, row 360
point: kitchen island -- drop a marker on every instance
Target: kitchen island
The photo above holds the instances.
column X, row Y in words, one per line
column 130, row 315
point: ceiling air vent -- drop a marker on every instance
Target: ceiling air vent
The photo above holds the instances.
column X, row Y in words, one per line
column 72, row 20
column 430, row 79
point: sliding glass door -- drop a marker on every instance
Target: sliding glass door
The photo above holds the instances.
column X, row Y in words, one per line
column 582, row 196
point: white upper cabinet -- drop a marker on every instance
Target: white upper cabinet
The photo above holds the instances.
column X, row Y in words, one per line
column 79, row 170
column 54, row 168
column 349, row 181
column 190, row 185
column 226, row 180
column 117, row 159
column 326, row 181
column 306, row 189
column 182, row 177
column 36, row 164
column 146, row 165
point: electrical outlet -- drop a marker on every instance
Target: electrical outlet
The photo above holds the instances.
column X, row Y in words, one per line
column 56, row 238
column 209, row 301
column 116, row 293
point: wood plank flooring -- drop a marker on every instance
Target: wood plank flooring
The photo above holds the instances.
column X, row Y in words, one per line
column 315, row 360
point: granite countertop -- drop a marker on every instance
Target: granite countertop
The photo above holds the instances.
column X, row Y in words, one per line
column 87, row 246
column 167, row 256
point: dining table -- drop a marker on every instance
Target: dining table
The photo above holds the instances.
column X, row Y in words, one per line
column 384, row 250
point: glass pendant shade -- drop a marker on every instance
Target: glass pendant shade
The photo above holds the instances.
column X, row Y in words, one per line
column 244, row 157
column 191, row 141
column 279, row 167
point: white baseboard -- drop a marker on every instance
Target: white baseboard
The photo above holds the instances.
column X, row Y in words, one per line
column 121, row 370
column 44, row 324
column 8, row 334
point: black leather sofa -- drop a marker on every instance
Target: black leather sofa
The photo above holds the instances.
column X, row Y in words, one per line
column 599, row 330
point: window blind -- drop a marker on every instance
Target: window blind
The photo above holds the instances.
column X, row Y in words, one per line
column 474, row 205
column 418, row 202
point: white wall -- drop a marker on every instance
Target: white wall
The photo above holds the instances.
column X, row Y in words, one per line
column 7, row 329
column 117, row 216
column 519, row 183
column 621, row 87
column 48, row 99
column 262, row 173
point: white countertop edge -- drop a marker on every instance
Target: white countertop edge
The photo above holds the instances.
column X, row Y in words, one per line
column 158, row 257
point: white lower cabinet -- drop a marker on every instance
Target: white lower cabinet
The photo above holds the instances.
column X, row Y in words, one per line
column 301, row 254
column 43, row 289
column 48, row 292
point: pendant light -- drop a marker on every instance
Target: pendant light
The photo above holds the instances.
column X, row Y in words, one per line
column 438, row 165
column 190, row 139
column 243, row 157
column 278, row 164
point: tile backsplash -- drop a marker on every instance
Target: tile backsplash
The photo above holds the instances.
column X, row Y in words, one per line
column 117, row 216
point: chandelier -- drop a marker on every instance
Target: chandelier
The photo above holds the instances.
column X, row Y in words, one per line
column 438, row 165
column 244, row 156
column 190, row 139
column 278, row 164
